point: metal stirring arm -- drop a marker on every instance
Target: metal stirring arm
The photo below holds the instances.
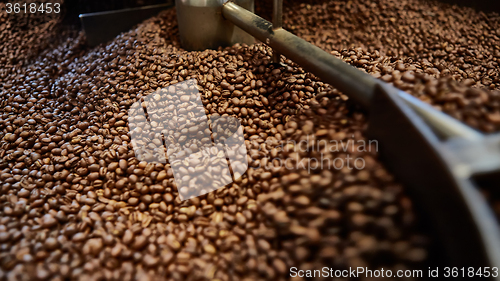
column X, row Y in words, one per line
column 358, row 85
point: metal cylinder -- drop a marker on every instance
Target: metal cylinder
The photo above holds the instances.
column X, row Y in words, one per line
column 201, row 25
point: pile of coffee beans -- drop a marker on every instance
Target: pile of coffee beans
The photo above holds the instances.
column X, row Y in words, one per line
column 76, row 201
column 33, row 31
column 446, row 40
column 396, row 37
column 464, row 100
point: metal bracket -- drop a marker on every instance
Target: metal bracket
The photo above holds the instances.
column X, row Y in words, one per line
column 101, row 27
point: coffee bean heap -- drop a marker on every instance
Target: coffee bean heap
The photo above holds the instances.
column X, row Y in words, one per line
column 447, row 40
column 477, row 107
column 76, row 202
column 338, row 215
column 32, row 31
